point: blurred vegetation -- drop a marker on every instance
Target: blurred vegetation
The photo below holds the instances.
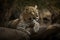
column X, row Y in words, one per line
column 8, row 8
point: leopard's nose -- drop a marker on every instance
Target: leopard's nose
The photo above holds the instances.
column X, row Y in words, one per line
column 37, row 18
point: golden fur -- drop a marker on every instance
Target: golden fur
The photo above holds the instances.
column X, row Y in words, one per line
column 27, row 14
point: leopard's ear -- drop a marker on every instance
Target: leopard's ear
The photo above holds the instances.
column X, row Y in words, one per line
column 35, row 6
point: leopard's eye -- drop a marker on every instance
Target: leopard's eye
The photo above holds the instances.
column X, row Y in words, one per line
column 29, row 18
column 33, row 17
